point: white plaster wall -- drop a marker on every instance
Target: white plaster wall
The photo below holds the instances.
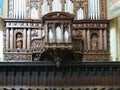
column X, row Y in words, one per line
column 1, row 45
column 113, row 56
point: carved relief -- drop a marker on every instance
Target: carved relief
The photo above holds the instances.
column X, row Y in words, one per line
column 78, row 45
column 34, row 34
column 17, row 57
column 37, row 45
column 77, row 33
column 36, row 56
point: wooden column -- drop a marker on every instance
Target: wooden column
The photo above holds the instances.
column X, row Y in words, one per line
column 75, row 9
column 11, row 39
column 88, row 39
column 100, row 40
column 69, row 32
column 28, row 38
column 63, row 5
column 85, row 39
column 54, row 33
column 62, row 32
column 46, row 32
column 24, row 38
column 105, row 40
column 7, row 38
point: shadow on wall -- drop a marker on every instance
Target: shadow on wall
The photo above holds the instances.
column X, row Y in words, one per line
column 1, row 24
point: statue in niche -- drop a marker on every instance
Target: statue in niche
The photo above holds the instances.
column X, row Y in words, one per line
column 94, row 42
column 19, row 41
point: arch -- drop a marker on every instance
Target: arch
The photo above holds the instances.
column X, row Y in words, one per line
column 47, row 56
column 50, row 55
column 80, row 14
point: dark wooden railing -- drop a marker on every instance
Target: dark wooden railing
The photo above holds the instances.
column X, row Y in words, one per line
column 68, row 76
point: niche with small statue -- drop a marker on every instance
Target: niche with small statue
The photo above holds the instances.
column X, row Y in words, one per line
column 19, row 40
column 94, row 41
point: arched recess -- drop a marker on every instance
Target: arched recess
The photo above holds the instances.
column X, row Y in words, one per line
column 51, row 55
column 94, row 41
column 19, row 40
column 80, row 14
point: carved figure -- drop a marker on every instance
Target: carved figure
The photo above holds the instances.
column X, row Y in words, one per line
column 94, row 43
column 19, row 41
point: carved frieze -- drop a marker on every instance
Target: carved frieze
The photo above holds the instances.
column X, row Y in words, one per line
column 95, row 57
column 18, row 57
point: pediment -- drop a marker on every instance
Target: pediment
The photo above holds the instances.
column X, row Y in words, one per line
column 58, row 16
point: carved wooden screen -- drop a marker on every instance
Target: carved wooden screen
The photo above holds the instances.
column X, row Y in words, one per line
column 86, row 35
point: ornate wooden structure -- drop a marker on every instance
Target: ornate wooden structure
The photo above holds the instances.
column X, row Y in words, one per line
column 81, row 30
column 51, row 43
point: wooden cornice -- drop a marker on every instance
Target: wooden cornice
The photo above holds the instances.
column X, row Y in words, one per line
column 21, row 20
column 58, row 16
column 67, row 63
